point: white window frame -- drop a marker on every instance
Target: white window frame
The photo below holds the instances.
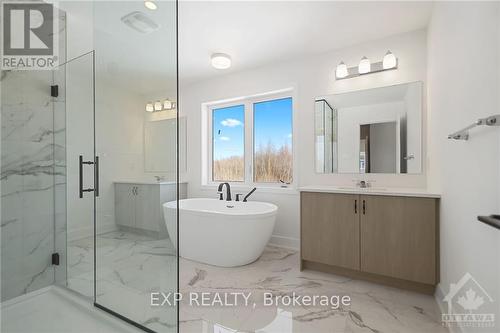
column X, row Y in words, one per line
column 207, row 137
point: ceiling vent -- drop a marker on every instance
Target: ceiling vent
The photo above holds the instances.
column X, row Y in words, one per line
column 140, row 22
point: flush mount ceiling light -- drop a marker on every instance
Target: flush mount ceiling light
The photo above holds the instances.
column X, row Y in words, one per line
column 150, row 107
column 364, row 66
column 389, row 62
column 220, row 61
column 151, row 5
column 341, row 71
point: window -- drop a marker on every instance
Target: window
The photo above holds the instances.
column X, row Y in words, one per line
column 273, row 141
column 251, row 141
column 228, row 144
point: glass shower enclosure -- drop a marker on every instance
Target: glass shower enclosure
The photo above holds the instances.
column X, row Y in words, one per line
column 80, row 209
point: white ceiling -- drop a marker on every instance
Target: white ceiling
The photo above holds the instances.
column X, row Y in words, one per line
column 258, row 33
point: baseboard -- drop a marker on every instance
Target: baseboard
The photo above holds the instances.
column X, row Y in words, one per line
column 285, row 242
column 89, row 231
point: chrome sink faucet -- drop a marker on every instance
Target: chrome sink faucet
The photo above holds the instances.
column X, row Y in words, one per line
column 228, row 191
column 159, row 178
column 364, row 183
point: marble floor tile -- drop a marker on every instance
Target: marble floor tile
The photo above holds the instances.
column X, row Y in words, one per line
column 131, row 266
column 373, row 308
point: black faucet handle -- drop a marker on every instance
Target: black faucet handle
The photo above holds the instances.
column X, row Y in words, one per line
column 220, row 195
column 238, row 196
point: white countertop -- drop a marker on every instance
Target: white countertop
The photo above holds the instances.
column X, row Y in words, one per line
column 371, row 191
column 146, row 182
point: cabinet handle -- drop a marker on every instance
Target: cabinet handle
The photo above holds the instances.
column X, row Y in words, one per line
column 364, row 207
column 356, row 206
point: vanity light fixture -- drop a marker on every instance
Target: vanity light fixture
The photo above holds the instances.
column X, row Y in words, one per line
column 389, row 61
column 151, row 5
column 364, row 67
column 220, row 61
column 341, row 71
column 166, row 105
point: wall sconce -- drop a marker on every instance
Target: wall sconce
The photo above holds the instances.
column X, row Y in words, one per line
column 366, row 67
column 166, row 105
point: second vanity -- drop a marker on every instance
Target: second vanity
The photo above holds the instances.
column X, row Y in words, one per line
column 384, row 236
column 138, row 205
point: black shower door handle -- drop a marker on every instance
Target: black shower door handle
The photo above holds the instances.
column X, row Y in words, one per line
column 81, row 163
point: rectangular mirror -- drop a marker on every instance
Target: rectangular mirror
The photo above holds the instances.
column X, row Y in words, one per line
column 163, row 133
column 370, row 131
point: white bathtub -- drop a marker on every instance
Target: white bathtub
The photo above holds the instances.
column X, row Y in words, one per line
column 219, row 232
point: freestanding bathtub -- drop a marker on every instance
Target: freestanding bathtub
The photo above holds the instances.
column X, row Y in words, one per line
column 219, row 232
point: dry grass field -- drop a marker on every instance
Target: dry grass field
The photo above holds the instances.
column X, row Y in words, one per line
column 271, row 165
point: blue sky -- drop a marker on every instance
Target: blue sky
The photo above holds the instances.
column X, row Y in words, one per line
column 272, row 123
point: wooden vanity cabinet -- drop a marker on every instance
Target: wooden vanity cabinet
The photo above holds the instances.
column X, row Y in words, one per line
column 387, row 239
column 330, row 229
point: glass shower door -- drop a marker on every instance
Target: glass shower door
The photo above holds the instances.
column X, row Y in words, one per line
column 135, row 67
column 74, row 151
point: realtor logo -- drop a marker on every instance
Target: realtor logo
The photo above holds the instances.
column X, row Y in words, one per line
column 28, row 36
column 467, row 304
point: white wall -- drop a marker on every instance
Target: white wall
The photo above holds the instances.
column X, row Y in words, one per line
column 463, row 74
column 310, row 78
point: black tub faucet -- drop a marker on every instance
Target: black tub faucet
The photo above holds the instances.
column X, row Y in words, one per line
column 249, row 193
column 228, row 191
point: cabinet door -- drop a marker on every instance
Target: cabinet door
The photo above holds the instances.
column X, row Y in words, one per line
column 124, row 205
column 330, row 229
column 398, row 237
column 147, row 207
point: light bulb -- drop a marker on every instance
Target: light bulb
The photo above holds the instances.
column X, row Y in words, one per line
column 341, row 71
column 167, row 104
column 150, row 5
column 389, row 61
column 149, row 107
column 220, row 61
column 157, row 106
column 364, row 66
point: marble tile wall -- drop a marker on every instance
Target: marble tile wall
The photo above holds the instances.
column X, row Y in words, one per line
column 27, row 180
column 33, row 176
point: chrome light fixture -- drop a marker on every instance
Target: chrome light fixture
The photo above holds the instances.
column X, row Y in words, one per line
column 364, row 67
column 220, row 61
column 341, row 71
column 150, row 107
column 389, row 61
